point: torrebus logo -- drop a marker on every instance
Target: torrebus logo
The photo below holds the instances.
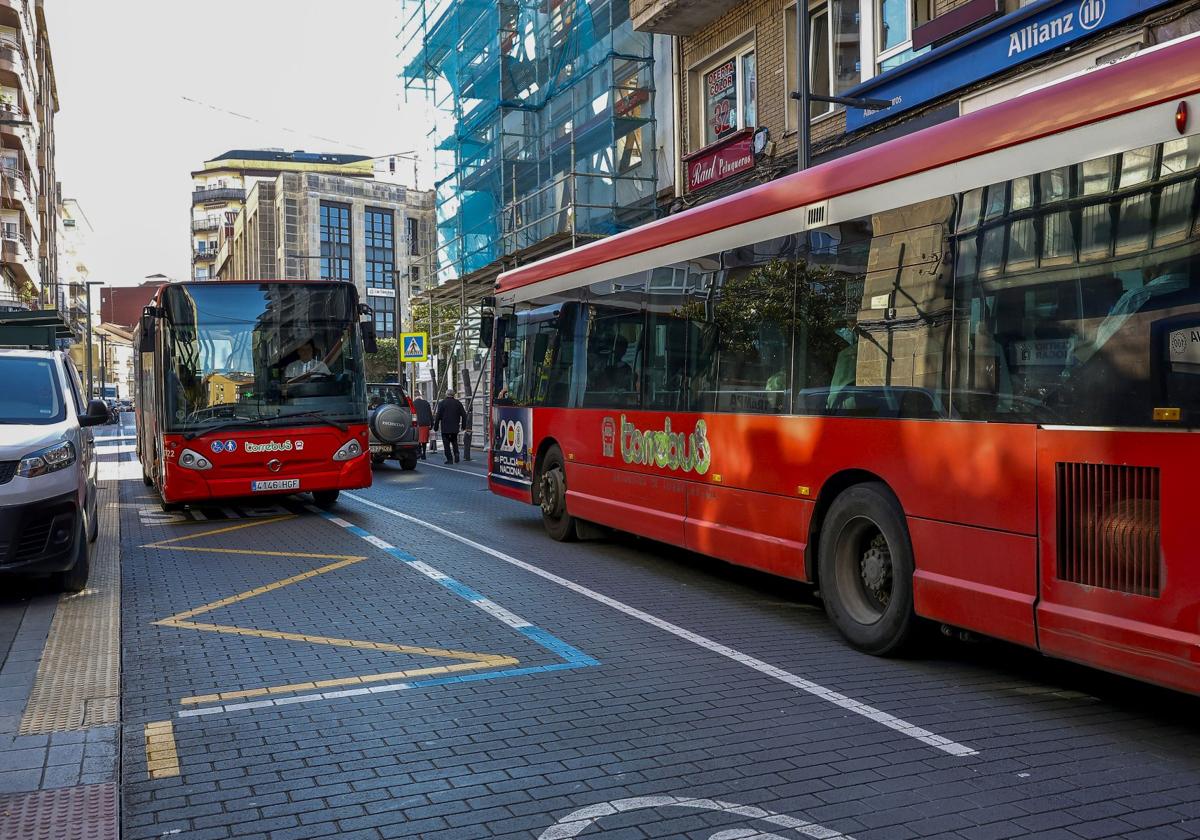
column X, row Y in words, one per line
column 667, row 449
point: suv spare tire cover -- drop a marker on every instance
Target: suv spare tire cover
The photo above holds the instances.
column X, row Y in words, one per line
column 390, row 423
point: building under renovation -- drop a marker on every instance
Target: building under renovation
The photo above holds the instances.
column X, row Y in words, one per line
column 543, row 136
column 544, row 128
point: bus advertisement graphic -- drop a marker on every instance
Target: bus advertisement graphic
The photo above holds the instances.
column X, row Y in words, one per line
column 512, row 435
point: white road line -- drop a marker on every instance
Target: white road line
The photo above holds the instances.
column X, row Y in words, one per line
column 448, row 468
column 834, row 697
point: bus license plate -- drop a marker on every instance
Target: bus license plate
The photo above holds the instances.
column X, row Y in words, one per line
column 275, row 484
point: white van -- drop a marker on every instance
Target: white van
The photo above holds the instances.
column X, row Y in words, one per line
column 47, row 468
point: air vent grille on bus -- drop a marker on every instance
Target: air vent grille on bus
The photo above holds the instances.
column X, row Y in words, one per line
column 1108, row 527
column 816, row 215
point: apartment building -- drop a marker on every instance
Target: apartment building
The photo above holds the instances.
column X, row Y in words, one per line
column 29, row 191
column 932, row 59
column 219, row 191
column 308, row 225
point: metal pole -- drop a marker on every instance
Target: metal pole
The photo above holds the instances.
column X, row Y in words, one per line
column 91, row 393
column 103, row 365
column 803, row 125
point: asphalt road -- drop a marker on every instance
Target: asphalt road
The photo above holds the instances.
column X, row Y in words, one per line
column 425, row 662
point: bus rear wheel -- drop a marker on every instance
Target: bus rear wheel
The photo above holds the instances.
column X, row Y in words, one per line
column 866, row 569
column 552, row 493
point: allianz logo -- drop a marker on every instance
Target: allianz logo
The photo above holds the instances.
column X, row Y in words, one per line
column 1089, row 15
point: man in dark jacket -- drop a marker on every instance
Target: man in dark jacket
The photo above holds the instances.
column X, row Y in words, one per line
column 424, row 421
column 451, row 418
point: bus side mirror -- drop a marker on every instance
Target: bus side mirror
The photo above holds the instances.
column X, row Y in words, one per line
column 487, row 324
column 367, row 328
column 146, row 326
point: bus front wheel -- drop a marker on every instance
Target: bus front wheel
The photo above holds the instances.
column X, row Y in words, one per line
column 552, row 492
column 866, row 569
column 325, row 499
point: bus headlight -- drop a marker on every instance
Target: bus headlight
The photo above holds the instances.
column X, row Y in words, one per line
column 51, row 459
column 349, row 451
column 191, row 460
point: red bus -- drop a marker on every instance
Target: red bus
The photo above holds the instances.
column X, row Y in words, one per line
column 953, row 377
column 252, row 388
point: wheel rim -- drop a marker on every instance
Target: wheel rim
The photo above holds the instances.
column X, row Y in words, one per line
column 553, row 493
column 865, row 570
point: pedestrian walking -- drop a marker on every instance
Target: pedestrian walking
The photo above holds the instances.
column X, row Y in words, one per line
column 424, row 421
column 451, row 418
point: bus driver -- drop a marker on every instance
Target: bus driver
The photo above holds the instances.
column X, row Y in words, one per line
column 306, row 364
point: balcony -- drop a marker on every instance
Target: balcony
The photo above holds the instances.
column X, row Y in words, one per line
column 16, row 182
column 204, row 255
column 676, row 17
column 209, row 223
column 209, row 195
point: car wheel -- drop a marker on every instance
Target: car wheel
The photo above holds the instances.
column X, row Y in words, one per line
column 408, row 462
column 378, row 459
column 325, row 499
column 866, row 569
column 75, row 578
column 552, row 484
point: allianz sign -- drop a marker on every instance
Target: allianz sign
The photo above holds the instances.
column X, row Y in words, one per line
column 1089, row 16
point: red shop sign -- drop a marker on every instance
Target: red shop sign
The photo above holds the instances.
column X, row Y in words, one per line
column 729, row 157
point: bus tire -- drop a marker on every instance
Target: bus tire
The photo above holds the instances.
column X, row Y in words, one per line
column 552, row 484
column 866, row 569
column 146, row 479
column 171, row 507
column 325, row 499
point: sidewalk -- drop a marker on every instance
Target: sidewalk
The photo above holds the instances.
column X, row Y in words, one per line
column 60, row 691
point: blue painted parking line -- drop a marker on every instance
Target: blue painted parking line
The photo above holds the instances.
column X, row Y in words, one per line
column 549, row 641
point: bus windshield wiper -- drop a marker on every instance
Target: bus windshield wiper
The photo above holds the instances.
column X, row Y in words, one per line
column 246, row 421
column 315, row 414
column 225, row 424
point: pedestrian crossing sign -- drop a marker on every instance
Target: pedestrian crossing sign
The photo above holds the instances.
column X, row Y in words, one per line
column 414, row 347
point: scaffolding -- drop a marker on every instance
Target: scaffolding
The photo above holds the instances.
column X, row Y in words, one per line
column 543, row 128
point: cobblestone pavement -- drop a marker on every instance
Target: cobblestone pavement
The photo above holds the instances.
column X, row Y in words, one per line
column 426, row 663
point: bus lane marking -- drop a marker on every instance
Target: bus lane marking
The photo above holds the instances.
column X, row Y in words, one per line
column 468, row 661
column 571, row 656
column 829, row 695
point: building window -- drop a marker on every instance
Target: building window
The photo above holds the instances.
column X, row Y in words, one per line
column 385, row 317
column 834, row 52
column 381, row 249
column 730, row 93
column 893, row 42
column 413, row 250
column 336, row 257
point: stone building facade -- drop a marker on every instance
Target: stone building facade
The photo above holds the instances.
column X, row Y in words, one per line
column 933, row 59
column 305, row 225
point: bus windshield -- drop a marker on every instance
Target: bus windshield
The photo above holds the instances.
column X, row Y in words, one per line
column 260, row 351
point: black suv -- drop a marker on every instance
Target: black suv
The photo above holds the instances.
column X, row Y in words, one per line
column 391, row 419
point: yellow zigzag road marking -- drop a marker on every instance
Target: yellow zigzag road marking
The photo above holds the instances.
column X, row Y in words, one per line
column 473, row 661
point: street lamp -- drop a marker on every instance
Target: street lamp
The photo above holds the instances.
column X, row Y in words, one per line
column 89, row 284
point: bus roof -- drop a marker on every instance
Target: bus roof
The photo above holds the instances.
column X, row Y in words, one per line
column 1156, row 76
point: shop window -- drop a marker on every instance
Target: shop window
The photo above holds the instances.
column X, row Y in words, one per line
column 730, row 93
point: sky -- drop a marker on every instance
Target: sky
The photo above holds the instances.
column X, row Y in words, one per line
column 128, row 137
